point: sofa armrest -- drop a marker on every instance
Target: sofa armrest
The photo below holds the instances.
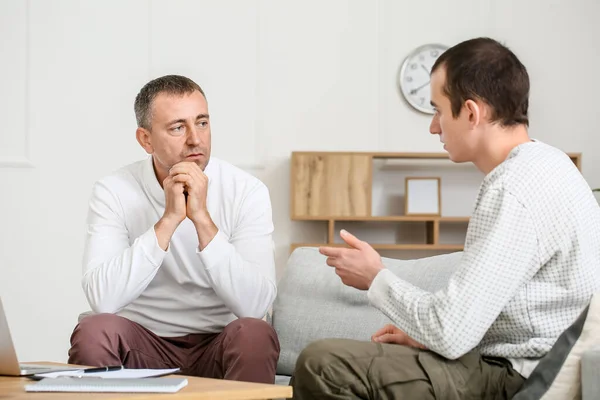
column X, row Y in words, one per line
column 590, row 374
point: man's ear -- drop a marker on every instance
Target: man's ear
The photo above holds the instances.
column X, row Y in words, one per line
column 143, row 137
column 474, row 111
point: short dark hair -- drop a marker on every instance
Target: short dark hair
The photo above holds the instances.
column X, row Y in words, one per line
column 484, row 69
column 169, row 84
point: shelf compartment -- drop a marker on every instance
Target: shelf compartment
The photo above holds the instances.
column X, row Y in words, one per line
column 335, row 184
column 385, row 218
column 444, row 247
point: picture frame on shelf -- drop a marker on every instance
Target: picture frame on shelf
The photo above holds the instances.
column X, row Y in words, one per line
column 423, row 196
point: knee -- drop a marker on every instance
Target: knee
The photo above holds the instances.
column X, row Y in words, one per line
column 253, row 337
column 314, row 357
column 93, row 327
column 95, row 339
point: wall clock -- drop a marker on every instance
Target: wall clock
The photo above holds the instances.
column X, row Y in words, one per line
column 414, row 76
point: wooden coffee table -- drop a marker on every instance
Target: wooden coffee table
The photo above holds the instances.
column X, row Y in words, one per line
column 197, row 388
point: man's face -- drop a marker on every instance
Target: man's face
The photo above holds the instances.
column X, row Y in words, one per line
column 455, row 133
column 180, row 130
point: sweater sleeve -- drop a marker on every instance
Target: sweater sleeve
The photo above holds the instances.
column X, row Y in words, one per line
column 500, row 256
column 241, row 268
column 114, row 272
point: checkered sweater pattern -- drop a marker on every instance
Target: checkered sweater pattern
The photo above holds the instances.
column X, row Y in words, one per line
column 530, row 264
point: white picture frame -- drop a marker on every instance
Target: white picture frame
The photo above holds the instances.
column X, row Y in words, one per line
column 423, row 196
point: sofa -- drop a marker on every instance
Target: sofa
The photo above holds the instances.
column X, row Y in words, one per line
column 313, row 304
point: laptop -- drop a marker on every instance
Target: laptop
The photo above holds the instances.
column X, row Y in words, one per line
column 9, row 365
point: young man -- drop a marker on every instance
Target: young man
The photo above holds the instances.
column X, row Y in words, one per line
column 530, row 263
column 179, row 266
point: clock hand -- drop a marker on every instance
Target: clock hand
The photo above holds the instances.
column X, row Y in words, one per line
column 426, row 70
column 414, row 91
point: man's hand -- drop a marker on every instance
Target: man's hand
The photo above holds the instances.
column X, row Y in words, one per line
column 195, row 183
column 393, row 335
column 174, row 200
column 356, row 266
column 175, row 211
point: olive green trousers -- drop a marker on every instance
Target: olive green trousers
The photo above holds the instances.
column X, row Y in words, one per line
column 350, row 369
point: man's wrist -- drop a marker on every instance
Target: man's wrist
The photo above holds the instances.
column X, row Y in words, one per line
column 374, row 274
column 202, row 218
column 164, row 230
column 205, row 228
column 168, row 223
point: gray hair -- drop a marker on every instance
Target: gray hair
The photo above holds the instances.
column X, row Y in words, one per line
column 169, row 84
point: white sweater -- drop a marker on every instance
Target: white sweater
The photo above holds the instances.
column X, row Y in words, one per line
column 182, row 290
column 530, row 265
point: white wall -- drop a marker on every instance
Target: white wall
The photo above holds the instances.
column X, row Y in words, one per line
column 279, row 75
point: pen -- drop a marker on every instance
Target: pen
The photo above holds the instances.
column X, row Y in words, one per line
column 103, row 369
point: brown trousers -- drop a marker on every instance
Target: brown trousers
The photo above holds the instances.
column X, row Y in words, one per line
column 246, row 350
column 349, row 369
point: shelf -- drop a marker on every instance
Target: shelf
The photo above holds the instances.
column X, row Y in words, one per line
column 426, row 156
column 576, row 157
column 385, row 218
column 336, row 189
column 376, row 154
column 443, row 247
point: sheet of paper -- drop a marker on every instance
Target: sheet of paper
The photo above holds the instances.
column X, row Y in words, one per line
column 118, row 374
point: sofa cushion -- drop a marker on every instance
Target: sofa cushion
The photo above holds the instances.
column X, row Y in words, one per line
column 283, row 380
column 590, row 367
column 558, row 374
column 312, row 303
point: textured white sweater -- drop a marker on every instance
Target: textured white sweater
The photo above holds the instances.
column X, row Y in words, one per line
column 531, row 264
column 182, row 290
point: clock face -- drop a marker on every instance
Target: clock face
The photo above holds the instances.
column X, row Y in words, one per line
column 414, row 76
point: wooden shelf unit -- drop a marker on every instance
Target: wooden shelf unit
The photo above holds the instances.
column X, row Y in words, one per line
column 337, row 187
column 385, row 246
